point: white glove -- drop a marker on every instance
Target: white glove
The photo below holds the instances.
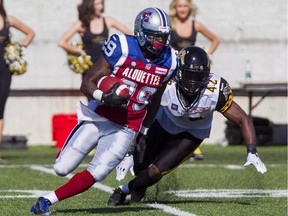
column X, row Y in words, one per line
column 126, row 164
column 255, row 160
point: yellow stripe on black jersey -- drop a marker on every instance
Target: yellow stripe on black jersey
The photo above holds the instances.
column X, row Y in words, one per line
column 225, row 97
column 228, row 104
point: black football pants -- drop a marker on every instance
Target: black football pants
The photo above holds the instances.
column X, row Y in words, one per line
column 165, row 150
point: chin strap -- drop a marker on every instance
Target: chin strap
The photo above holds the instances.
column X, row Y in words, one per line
column 186, row 101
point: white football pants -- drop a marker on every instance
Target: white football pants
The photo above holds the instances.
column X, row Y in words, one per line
column 112, row 141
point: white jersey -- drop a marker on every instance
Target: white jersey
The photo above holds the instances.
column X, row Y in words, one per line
column 197, row 118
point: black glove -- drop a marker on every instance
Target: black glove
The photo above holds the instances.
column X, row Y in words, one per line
column 140, row 147
column 111, row 98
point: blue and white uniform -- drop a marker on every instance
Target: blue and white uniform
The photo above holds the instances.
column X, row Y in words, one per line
column 112, row 129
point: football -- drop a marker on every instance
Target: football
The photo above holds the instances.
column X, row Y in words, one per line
column 105, row 83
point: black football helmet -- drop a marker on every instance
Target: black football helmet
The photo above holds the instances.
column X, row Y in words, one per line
column 194, row 70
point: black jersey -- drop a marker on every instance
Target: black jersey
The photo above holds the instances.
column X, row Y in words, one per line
column 93, row 42
column 5, row 75
column 178, row 42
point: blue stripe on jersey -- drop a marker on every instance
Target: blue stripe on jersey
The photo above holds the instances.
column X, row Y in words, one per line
column 162, row 16
column 115, row 49
column 125, row 49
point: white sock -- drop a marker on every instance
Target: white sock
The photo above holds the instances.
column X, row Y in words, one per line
column 51, row 197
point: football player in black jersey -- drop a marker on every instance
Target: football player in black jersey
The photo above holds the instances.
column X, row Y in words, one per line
column 183, row 121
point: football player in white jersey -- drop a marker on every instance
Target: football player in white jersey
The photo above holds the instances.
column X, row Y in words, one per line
column 183, row 121
column 145, row 63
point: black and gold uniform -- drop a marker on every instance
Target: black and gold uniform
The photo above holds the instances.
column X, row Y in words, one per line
column 93, row 42
column 178, row 42
column 181, row 125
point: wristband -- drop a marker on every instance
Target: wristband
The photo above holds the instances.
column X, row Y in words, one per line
column 251, row 148
column 131, row 150
column 97, row 94
column 144, row 130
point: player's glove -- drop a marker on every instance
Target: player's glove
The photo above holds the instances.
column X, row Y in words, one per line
column 141, row 144
column 111, row 98
column 253, row 158
column 126, row 164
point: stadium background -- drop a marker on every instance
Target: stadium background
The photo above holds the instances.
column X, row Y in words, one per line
column 249, row 30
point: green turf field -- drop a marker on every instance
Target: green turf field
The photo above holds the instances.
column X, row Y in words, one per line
column 218, row 185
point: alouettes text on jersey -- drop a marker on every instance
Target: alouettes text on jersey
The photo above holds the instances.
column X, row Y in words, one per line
column 143, row 77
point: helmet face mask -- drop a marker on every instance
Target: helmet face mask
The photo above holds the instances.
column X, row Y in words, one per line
column 191, row 82
column 156, row 43
column 194, row 70
column 152, row 30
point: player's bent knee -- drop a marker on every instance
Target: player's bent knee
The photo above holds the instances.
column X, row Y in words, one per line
column 60, row 170
column 154, row 172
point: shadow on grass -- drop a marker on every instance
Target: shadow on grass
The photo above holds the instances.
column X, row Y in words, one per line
column 10, row 157
column 128, row 208
column 108, row 210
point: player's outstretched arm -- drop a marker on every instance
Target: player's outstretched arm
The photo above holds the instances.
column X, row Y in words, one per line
column 238, row 116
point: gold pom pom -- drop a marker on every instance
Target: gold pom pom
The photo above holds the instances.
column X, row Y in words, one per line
column 13, row 56
column 80, row 63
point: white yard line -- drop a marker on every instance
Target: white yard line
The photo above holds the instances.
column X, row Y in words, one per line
column 108, row 189
column 170, row 210
column 229, row 193
column 24, row 193
column 226, row 166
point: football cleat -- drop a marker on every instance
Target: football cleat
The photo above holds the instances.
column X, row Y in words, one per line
column 41, row 207
column 138, row 196
column 117, row 198
column 197, row 157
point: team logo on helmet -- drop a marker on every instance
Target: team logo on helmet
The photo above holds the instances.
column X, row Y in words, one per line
column 146, row 16
column 181, row 56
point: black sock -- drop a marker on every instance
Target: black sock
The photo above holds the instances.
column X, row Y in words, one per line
column 139, row 185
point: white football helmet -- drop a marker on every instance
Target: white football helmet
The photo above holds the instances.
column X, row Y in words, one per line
column 152, row 30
